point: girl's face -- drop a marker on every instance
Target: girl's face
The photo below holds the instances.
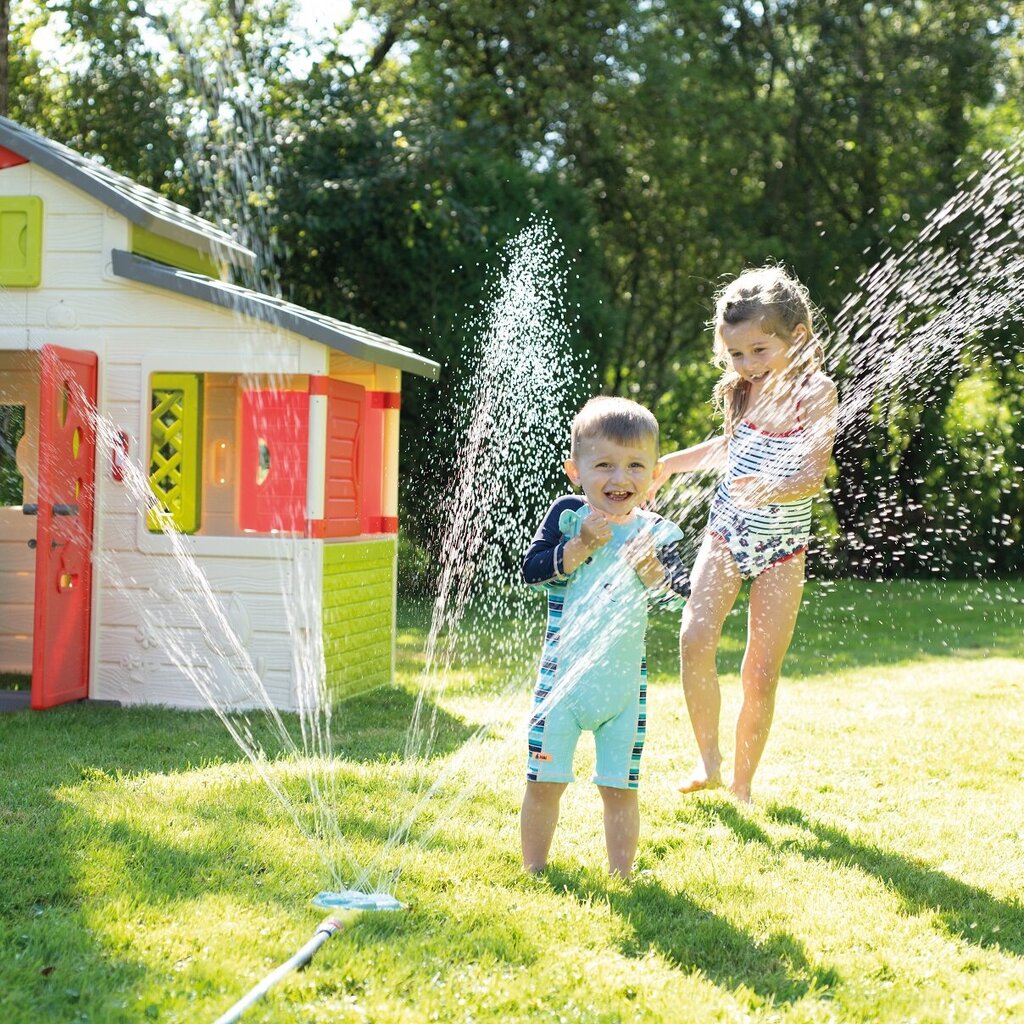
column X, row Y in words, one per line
column 756, row 356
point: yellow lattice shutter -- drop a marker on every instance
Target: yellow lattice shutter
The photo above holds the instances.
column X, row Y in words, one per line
column 175, row 468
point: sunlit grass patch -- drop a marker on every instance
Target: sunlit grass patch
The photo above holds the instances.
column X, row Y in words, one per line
column 151, row 875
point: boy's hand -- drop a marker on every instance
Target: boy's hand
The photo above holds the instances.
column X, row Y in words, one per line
column 595, row 531
column 750, row 491
column 641, row 556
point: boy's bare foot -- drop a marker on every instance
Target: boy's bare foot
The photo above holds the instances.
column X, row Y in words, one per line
column 701, row 780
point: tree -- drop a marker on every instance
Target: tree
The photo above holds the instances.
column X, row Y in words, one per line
column 5, row 49
column 673, row 143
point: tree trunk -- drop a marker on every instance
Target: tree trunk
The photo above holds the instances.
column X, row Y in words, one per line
column 5, row 30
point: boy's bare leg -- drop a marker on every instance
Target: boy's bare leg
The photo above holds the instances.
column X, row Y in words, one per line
column 537, row 822
column 621, row 828
column 774, row 604
column 715, row 583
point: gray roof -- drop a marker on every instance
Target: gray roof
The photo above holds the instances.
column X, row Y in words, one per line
column 347, row 338
column 139, row 204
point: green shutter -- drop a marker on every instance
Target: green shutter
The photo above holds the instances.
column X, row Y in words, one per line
column 174, row 254
column 175, row 447
column 21, row 241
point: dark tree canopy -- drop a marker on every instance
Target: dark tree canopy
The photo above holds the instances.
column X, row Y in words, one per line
column 672, row 144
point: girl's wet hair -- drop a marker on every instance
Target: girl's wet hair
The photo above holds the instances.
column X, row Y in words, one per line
column 778, row 303
column 618, row 419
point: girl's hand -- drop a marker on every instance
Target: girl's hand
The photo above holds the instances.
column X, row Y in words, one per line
column 641, row 556
column 651, row 499
column 595, row 531
column 750, row 491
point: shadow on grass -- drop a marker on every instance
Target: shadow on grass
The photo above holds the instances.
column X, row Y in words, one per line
column 111, row 747
column 694, row 939
column 376, row 725
column 62, row 964
column 852, row 624
column 68, row 860
column 125, row 741
column 961, row 911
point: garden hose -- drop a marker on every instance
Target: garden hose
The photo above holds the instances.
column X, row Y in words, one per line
column 349, row 907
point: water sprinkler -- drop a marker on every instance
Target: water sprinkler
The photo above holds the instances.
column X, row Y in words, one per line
column 347, row 907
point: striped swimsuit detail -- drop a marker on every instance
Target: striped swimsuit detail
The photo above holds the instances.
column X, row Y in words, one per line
column 761, row 537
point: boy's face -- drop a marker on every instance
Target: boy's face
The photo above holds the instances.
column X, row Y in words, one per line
column 615, row 478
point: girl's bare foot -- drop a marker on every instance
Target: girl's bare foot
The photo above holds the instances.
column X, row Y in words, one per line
column 742, row 796
column 702, row 779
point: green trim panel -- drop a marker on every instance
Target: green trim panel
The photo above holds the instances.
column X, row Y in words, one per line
column 174, row 254
column 21, row 241
column 358, row 615
column 175, row 449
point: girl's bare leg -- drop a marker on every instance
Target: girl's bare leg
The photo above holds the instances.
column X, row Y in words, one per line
column 775, row 598
column 621, row 828
column 537, row 822
column 715, row 583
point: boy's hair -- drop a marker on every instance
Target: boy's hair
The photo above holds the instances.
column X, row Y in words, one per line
column 778, row 303
column 618, row 419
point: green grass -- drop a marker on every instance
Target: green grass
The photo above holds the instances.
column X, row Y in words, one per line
column 148, row 874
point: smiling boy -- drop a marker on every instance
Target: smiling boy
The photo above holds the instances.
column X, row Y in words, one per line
column 601, row 558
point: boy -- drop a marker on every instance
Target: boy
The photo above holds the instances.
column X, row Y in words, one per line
column 600, row 558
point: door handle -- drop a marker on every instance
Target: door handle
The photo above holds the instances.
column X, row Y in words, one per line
column 30, row 510
column 65, row 510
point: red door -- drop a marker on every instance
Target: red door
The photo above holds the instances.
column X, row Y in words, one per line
column 67, row 459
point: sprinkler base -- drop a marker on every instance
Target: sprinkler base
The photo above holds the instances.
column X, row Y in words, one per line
column 349, row 899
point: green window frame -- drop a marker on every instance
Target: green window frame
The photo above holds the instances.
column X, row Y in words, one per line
column 175, row 451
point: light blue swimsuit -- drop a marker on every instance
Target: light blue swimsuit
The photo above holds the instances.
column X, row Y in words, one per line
column 593, row 672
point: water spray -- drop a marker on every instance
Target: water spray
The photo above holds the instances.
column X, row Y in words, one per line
column 347, row 907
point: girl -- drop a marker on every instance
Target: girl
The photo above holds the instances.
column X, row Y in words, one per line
column 780, row 423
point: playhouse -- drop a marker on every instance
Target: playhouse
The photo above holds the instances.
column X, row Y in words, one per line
column 268, row 434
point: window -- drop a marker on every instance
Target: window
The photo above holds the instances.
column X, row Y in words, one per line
column 175, row 454
column 12, row 429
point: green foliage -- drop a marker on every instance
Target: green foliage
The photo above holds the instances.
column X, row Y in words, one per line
column 108, row 96
column 671, row 143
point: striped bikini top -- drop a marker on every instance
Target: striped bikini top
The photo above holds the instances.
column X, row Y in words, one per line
column 752, row 450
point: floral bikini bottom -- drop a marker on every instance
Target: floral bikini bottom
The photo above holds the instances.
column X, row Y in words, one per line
column 753, row 548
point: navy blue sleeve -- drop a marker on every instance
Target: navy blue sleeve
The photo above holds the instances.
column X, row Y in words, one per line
column 542, row 562
column 677, row 575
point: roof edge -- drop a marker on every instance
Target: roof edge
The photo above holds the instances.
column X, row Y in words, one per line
column 372, row 348
column 74, row 169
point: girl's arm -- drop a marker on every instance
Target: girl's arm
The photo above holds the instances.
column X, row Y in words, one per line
column 706, row 455
column 819, row 413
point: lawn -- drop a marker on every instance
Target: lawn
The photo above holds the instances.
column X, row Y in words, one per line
column 149, row 874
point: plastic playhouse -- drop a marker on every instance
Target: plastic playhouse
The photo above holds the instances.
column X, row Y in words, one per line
column 268, row 434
